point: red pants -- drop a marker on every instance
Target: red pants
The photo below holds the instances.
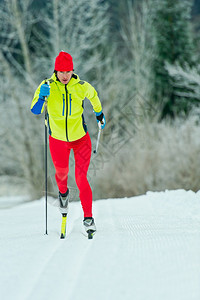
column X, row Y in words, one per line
column 60, row 151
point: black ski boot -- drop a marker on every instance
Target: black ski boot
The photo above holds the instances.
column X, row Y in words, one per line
column 89, row 226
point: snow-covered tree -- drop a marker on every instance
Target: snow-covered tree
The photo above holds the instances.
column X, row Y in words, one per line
column 79, row 28
column 139, row 42
column 16, row 22
column 173, row 34
column 19, row 155
column 187, row 81
column 21, row 142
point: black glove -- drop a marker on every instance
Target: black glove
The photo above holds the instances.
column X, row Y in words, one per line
column 101, row 118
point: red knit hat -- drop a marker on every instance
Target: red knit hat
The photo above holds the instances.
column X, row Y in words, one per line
column 64, row 62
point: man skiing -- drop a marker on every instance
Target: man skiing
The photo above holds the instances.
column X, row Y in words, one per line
column 65, row 94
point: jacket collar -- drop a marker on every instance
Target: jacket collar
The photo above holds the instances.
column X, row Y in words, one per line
column 74, row 79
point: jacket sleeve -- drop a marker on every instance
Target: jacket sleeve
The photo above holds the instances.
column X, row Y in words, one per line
column 92, row 95
column 37, row 105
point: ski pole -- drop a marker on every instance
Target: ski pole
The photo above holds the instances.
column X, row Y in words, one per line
column 45, row 107
column 98, row 138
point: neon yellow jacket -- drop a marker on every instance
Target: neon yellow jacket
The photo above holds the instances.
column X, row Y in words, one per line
column 65, row 106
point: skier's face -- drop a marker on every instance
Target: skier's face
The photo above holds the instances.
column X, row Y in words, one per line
column 64, row 77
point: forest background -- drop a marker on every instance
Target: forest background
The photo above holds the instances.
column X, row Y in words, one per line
column 143, row 59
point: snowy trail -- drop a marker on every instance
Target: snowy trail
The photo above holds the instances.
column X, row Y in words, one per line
column 146, row 247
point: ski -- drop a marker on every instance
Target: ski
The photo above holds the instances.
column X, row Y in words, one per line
column 90, row 234
column 63, row 226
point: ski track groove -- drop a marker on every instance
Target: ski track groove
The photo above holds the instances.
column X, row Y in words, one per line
column 62, row 246
column 44, row 266
column 40, row 272
column 77, row 271
column 69, row 279
column 95, row 263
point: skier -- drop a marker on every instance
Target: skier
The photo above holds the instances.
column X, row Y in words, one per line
column 65, row 94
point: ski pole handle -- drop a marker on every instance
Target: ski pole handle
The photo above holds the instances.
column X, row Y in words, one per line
column 46, row 82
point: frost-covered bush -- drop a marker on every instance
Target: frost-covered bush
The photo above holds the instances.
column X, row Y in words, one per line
column 159, row 156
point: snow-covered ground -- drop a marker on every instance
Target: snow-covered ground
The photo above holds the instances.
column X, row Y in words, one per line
column 146, row 248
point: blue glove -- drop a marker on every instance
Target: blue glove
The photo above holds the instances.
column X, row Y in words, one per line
column 44, row 91
column 101, row 118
